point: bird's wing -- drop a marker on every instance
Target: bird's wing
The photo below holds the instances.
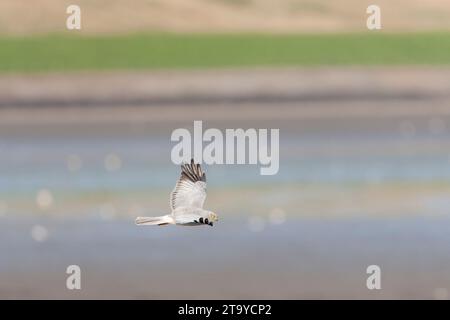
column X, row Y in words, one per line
column 190, row 190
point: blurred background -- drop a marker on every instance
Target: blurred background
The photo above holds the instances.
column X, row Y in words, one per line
column 364, row 117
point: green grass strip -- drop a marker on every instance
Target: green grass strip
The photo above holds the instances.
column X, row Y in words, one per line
column 171, row 51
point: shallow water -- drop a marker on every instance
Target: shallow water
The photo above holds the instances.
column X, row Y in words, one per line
column 305, row 258
column 346, row 196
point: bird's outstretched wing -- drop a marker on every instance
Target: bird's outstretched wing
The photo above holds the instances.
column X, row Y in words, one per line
column 190, row 190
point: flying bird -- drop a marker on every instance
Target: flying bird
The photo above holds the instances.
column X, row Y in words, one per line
column 186, row 201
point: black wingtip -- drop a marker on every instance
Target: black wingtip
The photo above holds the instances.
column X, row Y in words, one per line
column 193, row 172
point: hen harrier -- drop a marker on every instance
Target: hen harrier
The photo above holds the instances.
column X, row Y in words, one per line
column 186, row 201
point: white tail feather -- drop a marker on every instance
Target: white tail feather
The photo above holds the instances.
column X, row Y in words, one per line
column 154, row 221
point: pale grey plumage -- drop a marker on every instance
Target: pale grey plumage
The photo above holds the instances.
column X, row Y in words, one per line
column 186, row 201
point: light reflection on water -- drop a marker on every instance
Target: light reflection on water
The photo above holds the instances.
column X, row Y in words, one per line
column 347, row 202
column 143, row 176
column 306, row 258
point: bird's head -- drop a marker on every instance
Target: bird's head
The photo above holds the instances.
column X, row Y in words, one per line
column 212, row 217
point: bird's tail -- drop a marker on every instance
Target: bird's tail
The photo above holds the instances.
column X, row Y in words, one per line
column 154, row 221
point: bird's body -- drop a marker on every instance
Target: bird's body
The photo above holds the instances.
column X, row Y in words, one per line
column 186, row 201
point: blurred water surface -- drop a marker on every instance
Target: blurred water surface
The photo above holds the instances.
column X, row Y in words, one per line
column 351, row 192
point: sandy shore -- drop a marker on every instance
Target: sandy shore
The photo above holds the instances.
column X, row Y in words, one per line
column 224, row 16
column 162, row 97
